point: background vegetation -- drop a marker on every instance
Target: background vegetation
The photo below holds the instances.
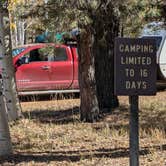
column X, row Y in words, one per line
column 30, row 18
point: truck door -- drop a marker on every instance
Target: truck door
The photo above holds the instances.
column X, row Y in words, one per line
column 33, row 73
column 61, row 75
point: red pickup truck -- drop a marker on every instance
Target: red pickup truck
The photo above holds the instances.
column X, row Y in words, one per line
column 46, row 68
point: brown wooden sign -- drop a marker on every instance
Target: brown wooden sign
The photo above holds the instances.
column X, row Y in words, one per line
column 135, row 66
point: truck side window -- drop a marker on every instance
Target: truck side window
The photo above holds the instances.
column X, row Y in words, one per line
column 52, row 53
column 60, row 54
column 49, row 53
column 34, row 56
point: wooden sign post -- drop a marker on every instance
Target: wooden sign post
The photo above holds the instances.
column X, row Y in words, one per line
column 134, row 131
column 135, row 74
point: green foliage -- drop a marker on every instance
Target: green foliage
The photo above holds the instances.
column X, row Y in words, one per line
column 62, row 15
column 135, row 14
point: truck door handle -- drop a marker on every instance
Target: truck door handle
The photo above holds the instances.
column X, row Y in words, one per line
column 45, row 67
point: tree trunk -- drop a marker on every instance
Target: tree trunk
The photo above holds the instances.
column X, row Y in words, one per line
column 106, row 27
column 5, row 142
column 11, row 96
column 89, row 110
column 13, row 31
column 20, row 32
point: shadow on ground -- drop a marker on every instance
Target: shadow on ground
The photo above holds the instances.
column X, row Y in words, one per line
column 74, row 156
column 115, row 118
column 68, row 115
column 57, row 117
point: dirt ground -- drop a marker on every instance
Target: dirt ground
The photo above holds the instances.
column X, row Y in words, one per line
column 51, row 134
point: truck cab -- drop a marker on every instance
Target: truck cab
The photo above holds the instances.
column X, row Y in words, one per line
column 43, row 68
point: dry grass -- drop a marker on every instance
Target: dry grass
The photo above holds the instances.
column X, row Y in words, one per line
column 51, row 134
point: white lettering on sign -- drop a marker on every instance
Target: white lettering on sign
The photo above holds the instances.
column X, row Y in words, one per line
column 136, row 48
column 138, row 60
column 136, row 85
column 144, row 73
column 135, row 66
column 129, row 72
